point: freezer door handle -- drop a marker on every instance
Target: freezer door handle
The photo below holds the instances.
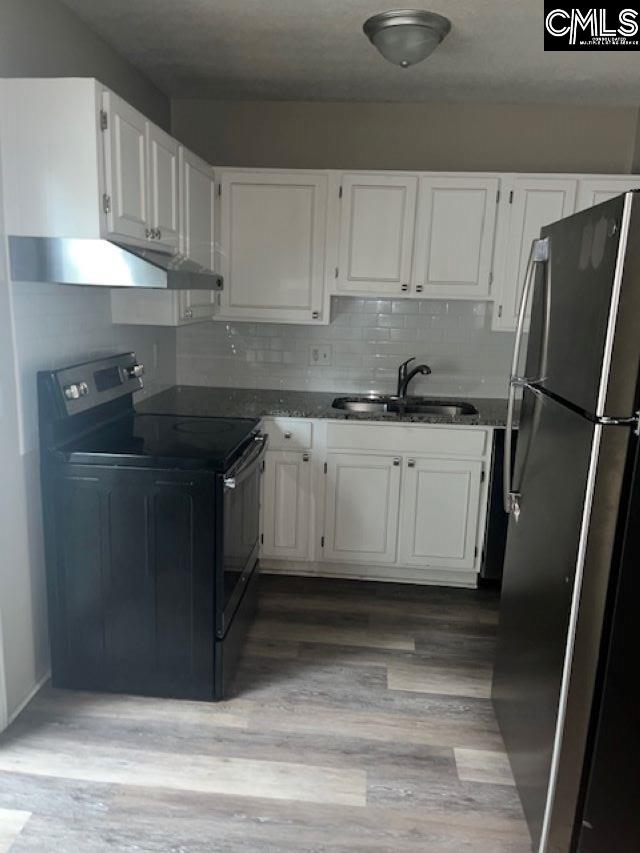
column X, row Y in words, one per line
column 539, row 254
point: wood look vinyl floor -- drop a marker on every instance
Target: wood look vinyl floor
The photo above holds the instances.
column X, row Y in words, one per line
column 361, row 721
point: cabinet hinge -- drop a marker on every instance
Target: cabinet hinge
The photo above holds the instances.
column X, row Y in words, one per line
column 497, row 196
column 476, row 553
column 511, row 197
column 490, row 278
column 262, row 466
column 104, row 120
column 499, row 310
column 219, row 190
column 106, row 203
column 322, row 542
column 340, row 193
column 336, row 273
column 483, row 476
column 325, row 468
column 262, row 538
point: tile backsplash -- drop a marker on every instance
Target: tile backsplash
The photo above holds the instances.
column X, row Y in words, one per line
column 359, row 351
column 56, row 325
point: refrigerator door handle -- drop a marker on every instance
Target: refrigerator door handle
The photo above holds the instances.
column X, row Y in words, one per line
column 539, row 254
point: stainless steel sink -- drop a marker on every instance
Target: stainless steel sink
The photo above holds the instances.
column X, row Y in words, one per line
column 378, row 404
column 366, row 405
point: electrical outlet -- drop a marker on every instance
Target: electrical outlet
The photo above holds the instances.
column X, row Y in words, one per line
column 320, row 354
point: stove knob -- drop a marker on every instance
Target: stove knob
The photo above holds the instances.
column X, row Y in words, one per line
column 83, row 388
column 72, row 392
column 135, row 371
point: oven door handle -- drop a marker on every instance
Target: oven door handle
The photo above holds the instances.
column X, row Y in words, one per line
column 237, row 472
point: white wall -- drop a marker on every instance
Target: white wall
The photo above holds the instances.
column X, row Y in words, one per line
column 43, row 38
column 367, row 339
column 45, row 326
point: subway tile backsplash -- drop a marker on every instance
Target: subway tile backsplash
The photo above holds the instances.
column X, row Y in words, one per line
column 359, row 351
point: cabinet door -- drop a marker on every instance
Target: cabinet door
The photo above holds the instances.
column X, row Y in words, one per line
column 163, row 188
column 197, row 206
column 273, row 236
column 286, row 506
column 439, row 515
column 361, row 518
column 596, row 190
column 126, row 170
column 455, row 232
column 377, row 224
column 197, row 209
column 535, row 202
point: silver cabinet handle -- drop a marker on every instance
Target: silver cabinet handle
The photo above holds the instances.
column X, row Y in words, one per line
column 411, row 463
column 287, row 435
column 188, row 313
column 229, row 482
column 419, row 288
column 539, row 254
column 404, row 287
column 305, row 457
column 147, row 233
column 158, row 233
column 397, row 460
column 315, row 315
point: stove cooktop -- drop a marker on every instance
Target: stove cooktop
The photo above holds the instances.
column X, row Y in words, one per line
column 164, row 440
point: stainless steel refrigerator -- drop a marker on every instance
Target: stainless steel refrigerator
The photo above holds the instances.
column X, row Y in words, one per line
column 571, row 534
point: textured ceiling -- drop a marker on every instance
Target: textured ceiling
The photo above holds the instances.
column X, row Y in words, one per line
column 315, row 50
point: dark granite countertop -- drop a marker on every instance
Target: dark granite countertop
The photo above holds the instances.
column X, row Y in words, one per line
column 256, row 403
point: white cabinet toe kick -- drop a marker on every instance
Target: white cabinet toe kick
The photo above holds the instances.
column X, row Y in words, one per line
column 390, row 502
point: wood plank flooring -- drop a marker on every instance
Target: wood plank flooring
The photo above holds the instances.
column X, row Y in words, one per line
column 360, row 722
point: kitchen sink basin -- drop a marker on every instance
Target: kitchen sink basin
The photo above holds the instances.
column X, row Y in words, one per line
column 379, row 404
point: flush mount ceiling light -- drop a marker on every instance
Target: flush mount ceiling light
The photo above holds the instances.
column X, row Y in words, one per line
column 406, row 36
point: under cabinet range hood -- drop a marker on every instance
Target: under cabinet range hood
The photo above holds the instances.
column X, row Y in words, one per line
column 102, row 263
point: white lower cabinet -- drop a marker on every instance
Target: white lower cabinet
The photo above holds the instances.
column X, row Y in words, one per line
column 440, row 507
column 339, row 504
column 287, row 505
column 361, row 508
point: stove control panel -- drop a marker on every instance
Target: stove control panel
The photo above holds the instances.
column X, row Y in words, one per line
column 92, row 383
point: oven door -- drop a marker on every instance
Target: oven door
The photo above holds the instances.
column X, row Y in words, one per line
column 240, row 528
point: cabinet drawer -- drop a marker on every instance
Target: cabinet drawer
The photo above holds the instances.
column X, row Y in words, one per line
column 449, row 441
column 288, row 433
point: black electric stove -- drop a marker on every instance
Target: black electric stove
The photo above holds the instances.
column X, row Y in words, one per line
column 164, row 440
column 152, row 533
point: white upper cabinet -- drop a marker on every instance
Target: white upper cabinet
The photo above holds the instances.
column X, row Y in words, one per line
column 361, row 513
column 596, row 190
column 197, row 207
column 141, row 175
column 454, row 236
column 163, row 187
column 439, row 513
column 531, row 203
column 377, row 224
column 273, row 245
column 197, row 211
column 126, row 170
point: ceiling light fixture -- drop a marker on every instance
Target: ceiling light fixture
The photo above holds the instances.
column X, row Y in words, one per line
column 406, row 36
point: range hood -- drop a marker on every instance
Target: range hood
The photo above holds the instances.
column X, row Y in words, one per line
column 101, row 263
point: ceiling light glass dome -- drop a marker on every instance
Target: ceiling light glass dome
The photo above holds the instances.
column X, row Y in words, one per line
column 406, row 36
